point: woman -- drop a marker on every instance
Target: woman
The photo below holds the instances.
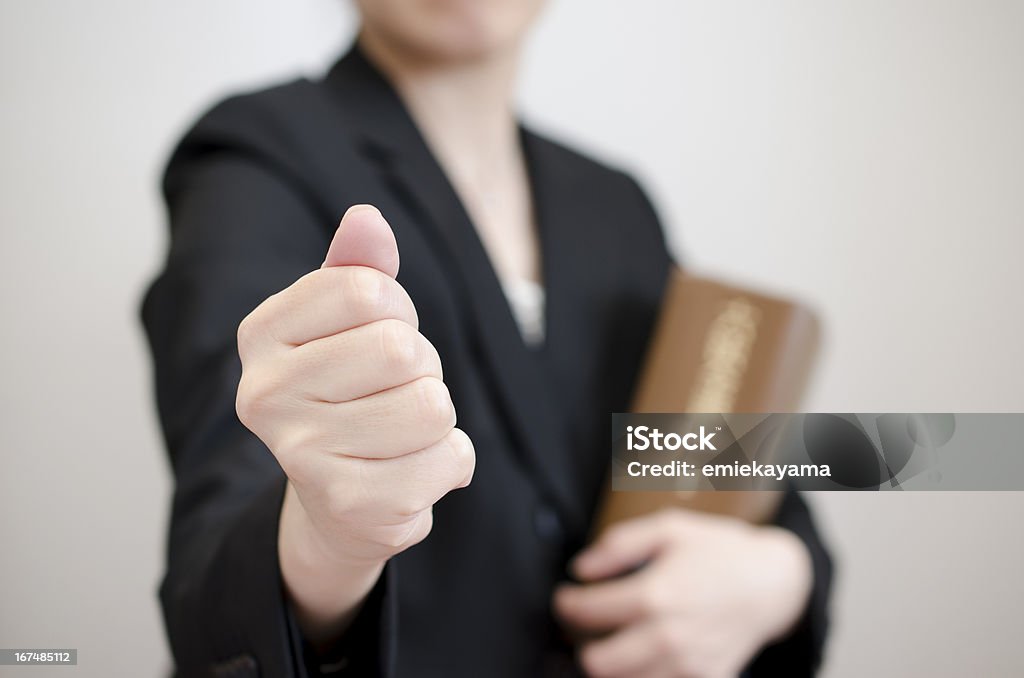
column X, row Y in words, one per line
column 375, row 537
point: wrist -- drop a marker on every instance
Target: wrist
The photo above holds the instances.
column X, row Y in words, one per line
column 325, row 588
column 792, row 577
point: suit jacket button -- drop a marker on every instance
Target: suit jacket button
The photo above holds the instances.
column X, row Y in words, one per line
column 239, row 666
column 547, row 524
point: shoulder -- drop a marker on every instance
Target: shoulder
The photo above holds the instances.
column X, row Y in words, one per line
column 274, row 127
column 256, row 116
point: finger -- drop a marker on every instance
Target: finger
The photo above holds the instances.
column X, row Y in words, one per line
column 421, row 478
column 623, row 547
column 360, row 362
column 387, row 424
column 323, row 303
column 364, row 238
column 607, row 605
column 637, row 649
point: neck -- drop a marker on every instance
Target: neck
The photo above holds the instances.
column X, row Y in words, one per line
column 463, row 109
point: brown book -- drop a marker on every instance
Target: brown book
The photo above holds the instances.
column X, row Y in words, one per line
column 719, row 348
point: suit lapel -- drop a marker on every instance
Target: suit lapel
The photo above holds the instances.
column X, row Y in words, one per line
column 378, row 118
column 582, row 255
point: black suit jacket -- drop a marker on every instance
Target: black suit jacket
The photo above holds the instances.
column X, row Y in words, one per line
column 254, row 192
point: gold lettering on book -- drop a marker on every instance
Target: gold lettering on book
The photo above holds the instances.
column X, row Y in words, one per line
column 725, row 356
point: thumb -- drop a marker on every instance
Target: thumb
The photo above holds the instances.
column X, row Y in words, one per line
column 364, row 238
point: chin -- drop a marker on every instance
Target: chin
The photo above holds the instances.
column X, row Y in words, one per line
column 451, row 30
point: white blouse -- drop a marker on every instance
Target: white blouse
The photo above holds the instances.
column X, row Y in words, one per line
column 526, row 299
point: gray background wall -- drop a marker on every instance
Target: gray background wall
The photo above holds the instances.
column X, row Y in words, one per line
column 864, row 155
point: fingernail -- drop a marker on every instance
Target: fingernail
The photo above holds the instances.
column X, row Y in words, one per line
column 362, row 207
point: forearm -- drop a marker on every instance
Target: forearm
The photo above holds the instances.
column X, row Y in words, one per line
column 800, row 652
column 787, row 599
column 222, row 598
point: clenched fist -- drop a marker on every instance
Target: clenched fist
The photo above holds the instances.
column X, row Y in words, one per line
column 348, row 395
